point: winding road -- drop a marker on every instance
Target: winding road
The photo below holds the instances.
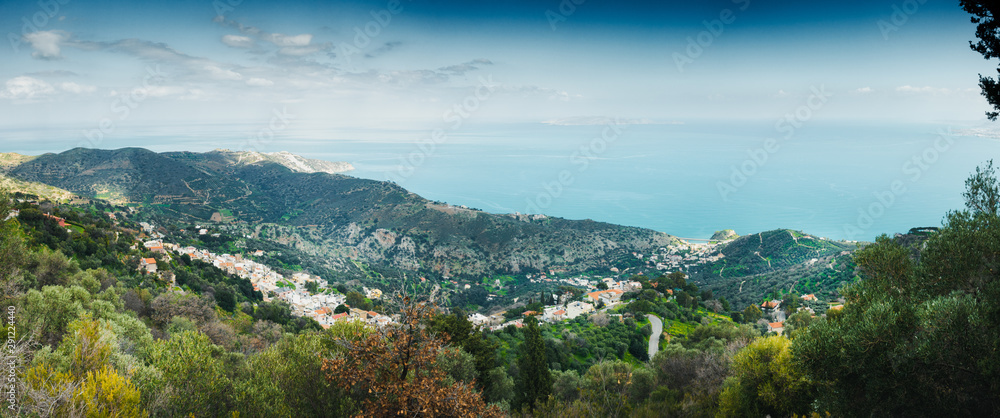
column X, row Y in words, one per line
column 654, row 339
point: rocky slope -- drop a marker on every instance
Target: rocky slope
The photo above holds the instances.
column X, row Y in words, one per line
column 336, row 216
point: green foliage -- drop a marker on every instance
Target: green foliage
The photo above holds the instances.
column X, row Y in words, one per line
column 195, row 370
column 535, row 381
column 766, row 382
column 105, row 393
column 606, row 386
column 752, row 314
column 358, row 301
column 917, row 337
column 287, row 379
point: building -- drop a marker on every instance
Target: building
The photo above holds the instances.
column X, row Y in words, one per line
column 149, row 264
column 770, row 305
column 606, row 296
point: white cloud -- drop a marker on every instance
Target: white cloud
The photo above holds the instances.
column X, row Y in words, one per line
column 298, row 51
column 195, row 94
column 46, row 43
column 24, row 87
column 77, row 88
column 237, row 41
column 781, row 93
column 260, row 82
column 221, row 74
column 864, row 90
column 163, row 91
column 925, row 89
column 605, row 120
column 285, row 40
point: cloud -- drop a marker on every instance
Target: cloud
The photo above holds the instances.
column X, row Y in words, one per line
column 864, row 90
column 781, row 93
column 384, row 49
column 259, row 82
column 291, row 45
column 74, row 88
column 158, row 91
column 46, row 43
column 285, row 40
column 551, row 94
column 221, row 74
column 298, row 51
column 26, row 88
column 605, row 120
column 925, row 89
column 53, row 73
column 461, row 69
column 237, row 41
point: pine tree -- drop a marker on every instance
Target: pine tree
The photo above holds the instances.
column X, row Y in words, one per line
column 535, row 379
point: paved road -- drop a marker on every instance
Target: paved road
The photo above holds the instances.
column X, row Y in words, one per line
column 654, row 339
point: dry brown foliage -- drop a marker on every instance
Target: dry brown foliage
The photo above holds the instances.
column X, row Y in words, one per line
column 392, row 372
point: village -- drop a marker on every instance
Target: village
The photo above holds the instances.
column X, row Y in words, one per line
column 294, row 289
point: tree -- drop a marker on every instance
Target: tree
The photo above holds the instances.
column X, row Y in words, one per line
column 105, row 393
column 394, row 371
column 752, row 314
column 312, row 287
column 919, row 335
column 534, row 380
column 225, row 298
column 194, row 368
column 798, row 321
column 288, row 379
column 984, row 15
column 766, row 382
column 357, row 300
column 790, row 302
column 606, row 387
column 602, row 286
column 677, row 280
column 566, row 385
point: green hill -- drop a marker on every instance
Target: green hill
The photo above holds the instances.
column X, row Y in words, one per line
column 777, row 261
column 337, row 217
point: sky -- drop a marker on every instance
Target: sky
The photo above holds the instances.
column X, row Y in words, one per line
column 89, row 71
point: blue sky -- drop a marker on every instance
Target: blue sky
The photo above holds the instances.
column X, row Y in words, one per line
column 135, row 68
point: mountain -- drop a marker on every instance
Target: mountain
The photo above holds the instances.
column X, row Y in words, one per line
column 752, row 267
column 293, row 162
column 339, row 219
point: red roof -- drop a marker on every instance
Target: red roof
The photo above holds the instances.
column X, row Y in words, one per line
column 776, row 324
column 559, row 312
column 597, row 295
column 149, row 260
column 770, row 304
column 340, row 315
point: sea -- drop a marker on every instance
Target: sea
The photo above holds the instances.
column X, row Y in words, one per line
column 842, row 180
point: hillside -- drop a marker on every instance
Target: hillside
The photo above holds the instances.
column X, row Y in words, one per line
column 772, row 262
column 336, row 217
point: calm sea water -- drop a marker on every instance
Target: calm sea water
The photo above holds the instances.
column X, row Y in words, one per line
column 836, row 180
